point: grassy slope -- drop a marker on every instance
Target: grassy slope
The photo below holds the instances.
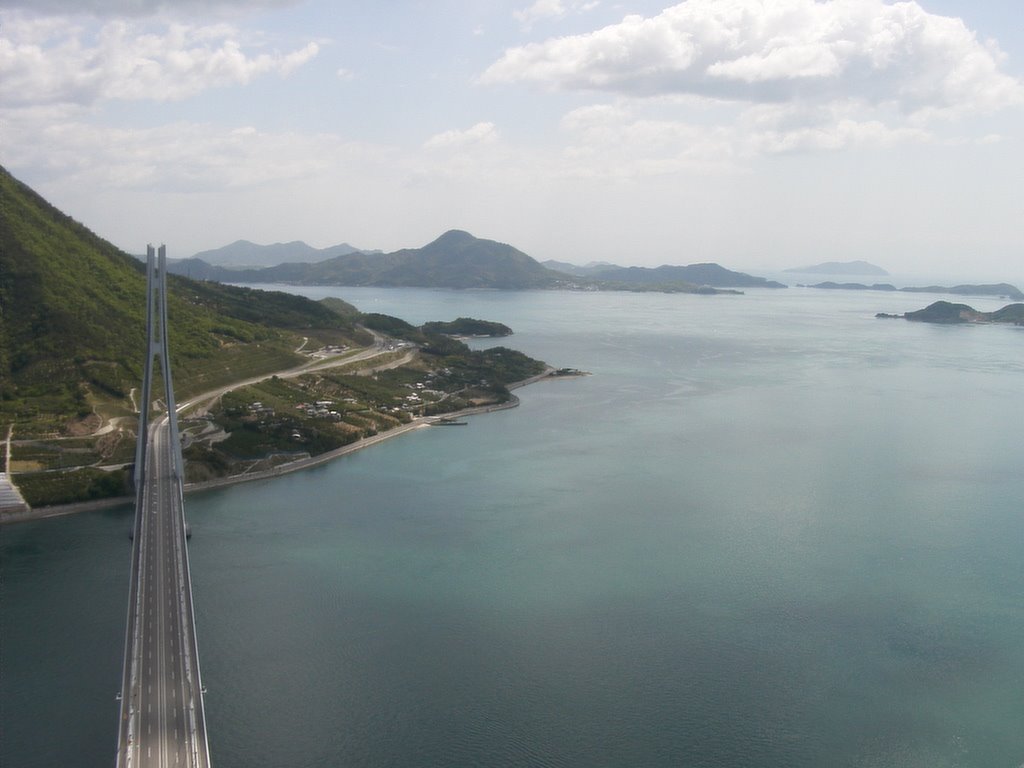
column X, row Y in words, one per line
column 72, row 322
column 65, row 297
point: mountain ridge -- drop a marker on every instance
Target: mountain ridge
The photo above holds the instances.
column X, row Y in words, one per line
column 245, row 253
column 458, row 259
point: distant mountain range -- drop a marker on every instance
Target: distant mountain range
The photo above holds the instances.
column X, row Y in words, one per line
column 454, row 260
column 243, row 253
column 457, row 259
column 840, row 268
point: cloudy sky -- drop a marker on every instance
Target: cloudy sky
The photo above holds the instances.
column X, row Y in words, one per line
column 761, row 134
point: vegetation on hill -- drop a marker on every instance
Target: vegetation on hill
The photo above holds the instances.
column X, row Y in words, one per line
column 72, row 322
column 711, row 275
column 341, row 307
column 467, row 326
column 281, row 420
column 1012, row 313
column 942, row 312
column 948, row 313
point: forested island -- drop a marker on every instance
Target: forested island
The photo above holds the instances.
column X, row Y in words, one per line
column 1004, row 290
column 468, row 326
column 948, row 313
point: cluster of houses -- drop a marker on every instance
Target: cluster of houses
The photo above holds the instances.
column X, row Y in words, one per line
column 260, row 410
column 415, row 399
column 326, row 409
column 322, row 409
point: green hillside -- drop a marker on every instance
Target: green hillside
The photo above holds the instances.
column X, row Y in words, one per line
column 712, row 275
column 72, row 320
column 946, row 312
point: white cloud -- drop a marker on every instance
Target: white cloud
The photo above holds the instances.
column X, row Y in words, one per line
column 541, row 9
column 779, row 51
column 481, row 133
column 633, row 140
column 185, row 156
column 550, row 9
column 52, row 62
column 345, row 74
column 775, row 129
column 615, row 144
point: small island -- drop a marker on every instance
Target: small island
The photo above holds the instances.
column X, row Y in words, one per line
column 468, row 327
column 1004, row 290
column 948, row 313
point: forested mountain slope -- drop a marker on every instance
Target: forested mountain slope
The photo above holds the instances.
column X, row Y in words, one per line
column 72, row 317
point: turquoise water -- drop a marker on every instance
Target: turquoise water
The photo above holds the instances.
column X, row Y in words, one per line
column 769, row 530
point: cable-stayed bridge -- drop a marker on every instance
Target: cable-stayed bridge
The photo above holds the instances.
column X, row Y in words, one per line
column 162, row 717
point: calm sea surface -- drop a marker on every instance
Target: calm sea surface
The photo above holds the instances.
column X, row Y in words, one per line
column 769, row 530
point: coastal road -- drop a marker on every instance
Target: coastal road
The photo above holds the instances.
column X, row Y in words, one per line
column 162, row 717
column 203, row 401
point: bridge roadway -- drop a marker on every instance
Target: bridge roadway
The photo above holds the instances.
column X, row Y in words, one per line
column 162, row 718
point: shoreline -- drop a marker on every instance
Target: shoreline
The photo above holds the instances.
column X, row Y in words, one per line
column 60, row 510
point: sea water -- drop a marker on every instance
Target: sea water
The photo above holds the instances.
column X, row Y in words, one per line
column 767, row 530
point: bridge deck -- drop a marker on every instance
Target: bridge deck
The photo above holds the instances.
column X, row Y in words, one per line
column 163, row 722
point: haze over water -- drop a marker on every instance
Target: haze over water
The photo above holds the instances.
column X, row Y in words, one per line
column 769, row 530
